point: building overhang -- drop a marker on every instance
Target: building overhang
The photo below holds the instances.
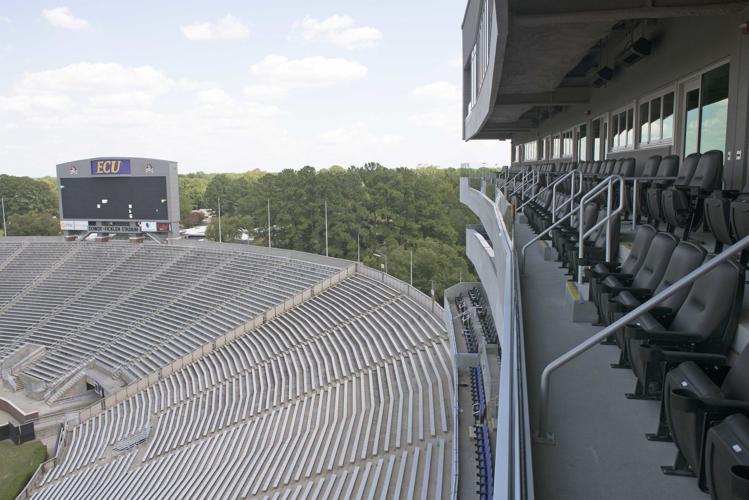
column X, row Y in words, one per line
column 548, row 57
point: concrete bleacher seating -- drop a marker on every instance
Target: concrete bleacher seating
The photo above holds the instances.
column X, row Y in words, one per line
column 132, row 309
column 345, row 395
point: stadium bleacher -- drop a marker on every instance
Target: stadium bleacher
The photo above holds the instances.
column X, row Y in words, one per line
column 135, row 308
column 345, row 394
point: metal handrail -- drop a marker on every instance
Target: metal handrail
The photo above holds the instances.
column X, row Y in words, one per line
column 604, row 185
column 571, row 199
column 522, row 187
column 635, row 180
column 552, row 185
column 543, row 433
column 534, row 179
column 541, row 235
column 511, row 179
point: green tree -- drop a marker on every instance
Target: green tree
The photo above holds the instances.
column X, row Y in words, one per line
column 33, row 224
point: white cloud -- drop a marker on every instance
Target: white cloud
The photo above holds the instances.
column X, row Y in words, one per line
column 434, row 119
column 95, row 79
column 338, row 30
column 4, row 19
column 357, row 134
column 437, row 91
column 23, row 103
column 455, row 63
column 265, row 92
column 228, row 27
column 63, row 18
column 310, row 71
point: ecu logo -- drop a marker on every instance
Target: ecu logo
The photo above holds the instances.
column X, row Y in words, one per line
column 110, row 167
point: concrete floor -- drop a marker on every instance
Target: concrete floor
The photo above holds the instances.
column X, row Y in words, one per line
column 600, row 451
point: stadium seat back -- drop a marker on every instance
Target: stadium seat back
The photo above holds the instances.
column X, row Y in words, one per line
column 668, row 167
column 709, row 172
column 687, row 169
column 650, row 168
column 643, row 238
column 627, row 167
column 656, row 261
column 687, row 257
column 710, row 309
column 736, row 383
column 717, row 216
column 740, row 213
column 727, row 459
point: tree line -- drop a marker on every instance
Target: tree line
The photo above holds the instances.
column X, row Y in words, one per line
column 380, row 215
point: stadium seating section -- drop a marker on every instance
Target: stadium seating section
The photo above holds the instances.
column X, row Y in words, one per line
column 681, row 352
column 344, row 395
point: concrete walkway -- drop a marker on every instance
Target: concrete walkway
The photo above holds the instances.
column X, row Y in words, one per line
column 600, row 451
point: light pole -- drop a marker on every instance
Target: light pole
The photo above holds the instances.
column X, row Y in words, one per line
column 326, row 228
column 382, row 256
column 268, row 222
column 220, row 237
column 358, row 259
column 412, row 267
column 5, row 226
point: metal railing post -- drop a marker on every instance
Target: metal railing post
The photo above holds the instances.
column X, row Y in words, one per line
column 541, row 235
column 605, row 184
column 546, row 188
column 634, row 204
column 543, row 433
column 609, row 201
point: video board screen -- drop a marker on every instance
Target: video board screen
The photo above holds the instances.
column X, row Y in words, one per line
column 114, row 198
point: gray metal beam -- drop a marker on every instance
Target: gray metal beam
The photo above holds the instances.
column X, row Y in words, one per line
column 613, row 15
column 560, row 97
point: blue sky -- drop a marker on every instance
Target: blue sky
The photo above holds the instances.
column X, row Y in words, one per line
column 233, row 85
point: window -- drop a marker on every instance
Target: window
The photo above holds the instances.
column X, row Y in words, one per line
column 657, row 119
column 567, row 144
column 598, row 136
column 582, row 142
column 529, row 151
column 667, row 123
column 622, row 129
column 556, row 146
column 714, row 109
column 480, row 54
column 706, row 112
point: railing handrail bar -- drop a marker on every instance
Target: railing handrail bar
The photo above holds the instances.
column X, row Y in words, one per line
column 605, row 219
column 539, row 236
column 661, row 178
column 522, row 185
column 606, row 185
column 542, row 430
column 556, row 181
column 601, row 186
column 635, row 207
column 570, row 200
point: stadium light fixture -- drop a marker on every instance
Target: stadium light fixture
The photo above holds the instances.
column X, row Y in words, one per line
column 382, row 256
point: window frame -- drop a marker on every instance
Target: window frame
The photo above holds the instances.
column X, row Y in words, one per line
column 649, row 98
column 622, row 110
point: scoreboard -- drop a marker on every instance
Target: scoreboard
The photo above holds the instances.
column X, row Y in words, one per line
column 119, row 195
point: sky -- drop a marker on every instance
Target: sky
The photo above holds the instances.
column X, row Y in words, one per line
column 233, row 85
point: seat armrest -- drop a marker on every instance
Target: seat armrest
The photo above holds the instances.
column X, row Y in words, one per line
column 701, row 358
column 671, row 337
column 621, row 276
column 725, row 405
column 644, row 294
column 617, row 289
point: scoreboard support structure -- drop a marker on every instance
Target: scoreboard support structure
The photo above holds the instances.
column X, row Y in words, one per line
column 109, row 196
